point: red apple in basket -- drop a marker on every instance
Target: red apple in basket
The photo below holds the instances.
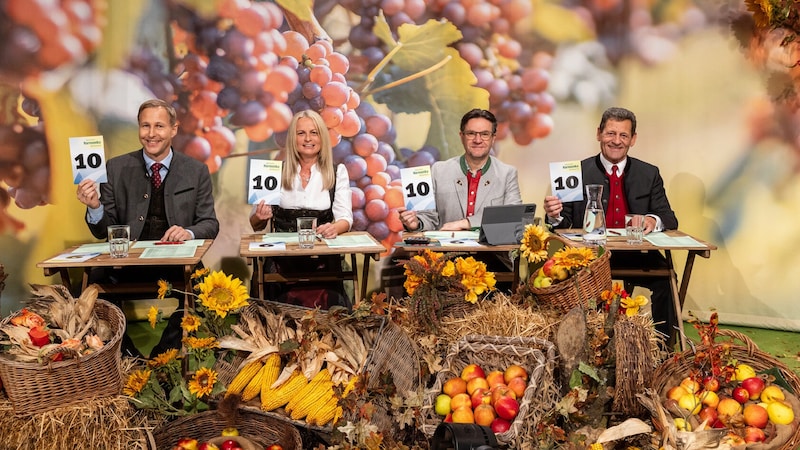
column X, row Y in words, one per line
column 711, row 383
column 518, row 385
column 230, row 444
column 187, row 444
column 274, row 447
column 755, row 415
column 208, row 446
column 506, row 407
column 472, row 371
column 753, row 434
column 740, row 394
column 754, row 386
column 500, row 425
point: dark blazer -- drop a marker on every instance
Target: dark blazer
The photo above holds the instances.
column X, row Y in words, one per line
column 188, row 198
column 644, row 192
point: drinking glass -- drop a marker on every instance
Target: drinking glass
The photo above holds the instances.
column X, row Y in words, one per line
column 634, row 228
column 119, row 240
column 306, row 231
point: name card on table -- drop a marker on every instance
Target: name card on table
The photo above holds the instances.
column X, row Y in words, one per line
column 566, row 180
column 264, row 182
column 88, row 158
column 418, row 188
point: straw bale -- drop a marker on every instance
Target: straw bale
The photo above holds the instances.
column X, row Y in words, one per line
column 107, row 423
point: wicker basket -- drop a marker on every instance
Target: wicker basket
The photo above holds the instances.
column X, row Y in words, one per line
column 33, row 388
column 674, row 369
column 536, row 355
column 392, row 352
column 579, row 288
column 207, row 425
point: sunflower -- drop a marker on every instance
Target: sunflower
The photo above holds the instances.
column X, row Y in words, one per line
column 136, row 382
column 152, row 316
column 190, row 323
column 222, row 294
column 534, row 244
column 164, row 288
column 199, row 273
column 762, row 12
column 202, row 383
column 574, row 257
column 162, row 359
column 474, row 278
column 201, row 343
column 632, row 305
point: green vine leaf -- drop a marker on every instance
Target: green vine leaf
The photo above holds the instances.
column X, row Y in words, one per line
column 446, row 91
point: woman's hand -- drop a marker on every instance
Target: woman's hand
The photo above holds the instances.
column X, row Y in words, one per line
column 263, row 211
column 327, row 231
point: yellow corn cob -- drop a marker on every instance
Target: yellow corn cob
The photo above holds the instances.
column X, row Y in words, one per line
column 244, row 376
column 309, row 389
column 312, row 400
column 275, row 398
column 319, row 405
column 253, row 388
column 327, row 412
column 272, row 371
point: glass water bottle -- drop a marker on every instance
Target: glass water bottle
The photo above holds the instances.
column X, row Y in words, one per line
column 594, row 218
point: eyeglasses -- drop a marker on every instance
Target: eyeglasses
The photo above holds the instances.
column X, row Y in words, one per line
column 612, row 135
column 485, row 135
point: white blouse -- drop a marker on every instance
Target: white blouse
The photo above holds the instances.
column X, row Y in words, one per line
column 313, row 196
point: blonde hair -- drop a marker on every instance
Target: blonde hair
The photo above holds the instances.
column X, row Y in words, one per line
column 324, row 159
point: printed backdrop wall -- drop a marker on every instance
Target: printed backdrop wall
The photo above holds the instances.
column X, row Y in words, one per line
column 712, row 89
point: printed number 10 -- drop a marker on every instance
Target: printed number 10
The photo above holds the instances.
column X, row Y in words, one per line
column 423, row 189
column 270, row 183
column 92, row 160
column 571, row 182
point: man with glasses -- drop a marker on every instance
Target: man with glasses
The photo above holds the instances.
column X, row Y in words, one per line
column 465, row 184
column 630, row 186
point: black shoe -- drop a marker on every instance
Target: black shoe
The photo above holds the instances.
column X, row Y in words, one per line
column 128, row 349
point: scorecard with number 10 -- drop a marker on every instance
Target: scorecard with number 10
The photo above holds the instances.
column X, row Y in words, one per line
column 88, row 158
column 418, row 188
column 566, row 180
column 264, row 182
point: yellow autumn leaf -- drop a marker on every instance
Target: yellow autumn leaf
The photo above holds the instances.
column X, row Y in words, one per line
column 555, row 23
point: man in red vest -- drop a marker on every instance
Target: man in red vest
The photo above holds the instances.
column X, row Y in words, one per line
column 632, row 186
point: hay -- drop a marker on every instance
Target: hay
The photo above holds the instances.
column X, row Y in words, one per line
column 107, row 423
column 636, row 360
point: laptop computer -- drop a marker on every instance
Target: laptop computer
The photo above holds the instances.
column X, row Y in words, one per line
column 502, row 225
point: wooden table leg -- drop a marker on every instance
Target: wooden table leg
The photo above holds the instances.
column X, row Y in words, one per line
column 365, row 274
column 258, row 275
column 515, row 282
column 677, row 302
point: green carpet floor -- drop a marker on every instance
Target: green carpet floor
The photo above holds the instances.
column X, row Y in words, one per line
column 783, row 345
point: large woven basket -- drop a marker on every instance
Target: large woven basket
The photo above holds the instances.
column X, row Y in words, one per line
column 393, row 352
column 578, row 289
column 33, row 388
column 674, row 369
column 207, row 425
column 537, row 356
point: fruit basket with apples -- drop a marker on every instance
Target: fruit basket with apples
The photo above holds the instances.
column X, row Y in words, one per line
column 248, row 429
column 572, row 276
column 61, row 351
column 471, row 366
column 746, row 395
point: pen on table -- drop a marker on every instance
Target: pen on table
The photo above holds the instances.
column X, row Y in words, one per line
column 614, row 232
column 169, row 242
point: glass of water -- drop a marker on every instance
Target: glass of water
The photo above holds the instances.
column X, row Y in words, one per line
column 306, row 231
column 634, row 228
column 119, row 239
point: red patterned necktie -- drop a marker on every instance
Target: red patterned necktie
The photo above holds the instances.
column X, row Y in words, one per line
column 617, row 206
column 156, row 177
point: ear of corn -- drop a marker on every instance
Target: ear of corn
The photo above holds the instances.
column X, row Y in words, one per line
column 312, row 401
column 244, row 376
column 275, row 398
column 311, row 389
column 273, row 369
column 253, row 388
column 326, row 413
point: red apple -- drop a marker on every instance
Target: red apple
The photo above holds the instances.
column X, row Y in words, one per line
column 484, row 415
column 187, row 444
column 711, row 383
column 740, row 394
column 754, row 386
column 728, row 407
column 229, row 444
column 547, row 267
column 274, row 447
column 448, row 418
column 755, row 415
column 472, row 371
column 501, row 391
column 514, row 371
column 676, row 392
column 708, row 415
column 480, row 396
column 506, row 407
column 753, row 434
column 208, row 446
column 494, row 378
column 518, row 385
column 500, row 425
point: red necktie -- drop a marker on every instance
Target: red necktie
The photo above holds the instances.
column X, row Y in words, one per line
column 156, row 177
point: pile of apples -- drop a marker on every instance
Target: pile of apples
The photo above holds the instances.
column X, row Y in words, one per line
column 748, row 405
column 229, row 440
column 490, row 400
column 549, row 274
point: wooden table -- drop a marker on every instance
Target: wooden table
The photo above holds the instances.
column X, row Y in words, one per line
column 511, row 275
column 617, row 243
column 255, row 258
column 132, row 260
